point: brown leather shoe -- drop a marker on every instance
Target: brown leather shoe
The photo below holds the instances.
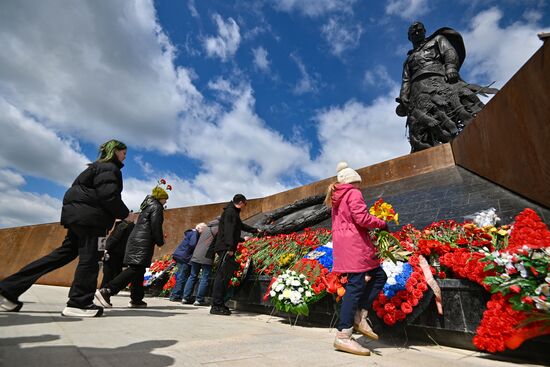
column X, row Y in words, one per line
column 361, row 325
column 345, row 343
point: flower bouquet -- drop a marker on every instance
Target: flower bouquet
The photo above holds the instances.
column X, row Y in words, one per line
column 291, row 292
column 388, row 246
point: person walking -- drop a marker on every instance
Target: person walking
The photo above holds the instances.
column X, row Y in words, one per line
column 115, row 247
column 201, row 264
column 90, row 207
column 139, row 251
column 182, row 256
column 355, row 255
column 229, row 235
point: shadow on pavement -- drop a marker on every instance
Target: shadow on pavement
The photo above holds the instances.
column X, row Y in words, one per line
column 24, row 318
column 136, row 312
column 136, row 354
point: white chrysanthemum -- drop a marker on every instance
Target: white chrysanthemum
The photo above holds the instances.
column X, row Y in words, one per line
column 295, row 297
column 295, row 282
column 302, row 276
column 306, row 282
column 274, row 285
column 280, row 297
column 308, row 294
column 286, row 293
column 293, row 272
column 301, row 290
column 280, row 287
column 272, row 293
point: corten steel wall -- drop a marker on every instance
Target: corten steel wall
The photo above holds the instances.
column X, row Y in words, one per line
column 20, row 245
column 509, row 141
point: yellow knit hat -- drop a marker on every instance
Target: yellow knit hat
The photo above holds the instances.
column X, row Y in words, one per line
column 159, row 193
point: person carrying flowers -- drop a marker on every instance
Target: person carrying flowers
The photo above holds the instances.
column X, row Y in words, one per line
column 139, row 251
column 354, row 254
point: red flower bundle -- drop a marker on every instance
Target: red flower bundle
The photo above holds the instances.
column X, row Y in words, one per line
column 529, row 230
column 467, row 265
column 395, row 309
column 498, row 324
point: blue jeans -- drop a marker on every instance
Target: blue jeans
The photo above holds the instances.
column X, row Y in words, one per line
column 360, row 294
column 203, row 285
column 181, row 278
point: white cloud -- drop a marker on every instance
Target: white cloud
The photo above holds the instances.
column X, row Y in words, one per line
column 407, row 9
column 495, row 52
column 227, row 42
column 314, row 8
column 359, row 134
column 36, row 150
column 192, row 8
column 94, row 70
column 307, row 83
column 244, row 154
column 145, row 166
column 341, row 35
column 10, row 179
column 18, row 208
column 260, row 59
column 379, row 77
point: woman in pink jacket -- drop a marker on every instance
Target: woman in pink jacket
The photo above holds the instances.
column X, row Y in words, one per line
column 355, row 255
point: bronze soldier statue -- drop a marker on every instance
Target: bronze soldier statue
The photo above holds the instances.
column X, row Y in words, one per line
column 437, row 102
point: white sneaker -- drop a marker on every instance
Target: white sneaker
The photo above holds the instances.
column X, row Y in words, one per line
column 9, row 306
column 90, row 311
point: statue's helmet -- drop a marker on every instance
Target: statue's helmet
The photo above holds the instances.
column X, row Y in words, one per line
column 417, row 31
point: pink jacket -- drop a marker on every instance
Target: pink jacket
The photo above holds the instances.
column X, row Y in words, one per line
column 353, row 250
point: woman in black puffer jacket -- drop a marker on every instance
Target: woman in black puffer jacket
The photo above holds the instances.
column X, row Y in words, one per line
column 90, row 207
column 139, row 251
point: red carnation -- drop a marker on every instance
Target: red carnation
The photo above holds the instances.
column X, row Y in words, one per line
column 389, row 319
column 406, row 307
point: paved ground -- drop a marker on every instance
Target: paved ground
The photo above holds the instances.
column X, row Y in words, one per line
column 170, row 334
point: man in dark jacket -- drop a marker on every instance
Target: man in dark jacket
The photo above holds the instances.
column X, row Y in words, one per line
column 229, row 235
column 115, row 247
column 182, row 256
column 90, row 207
column 139, row 251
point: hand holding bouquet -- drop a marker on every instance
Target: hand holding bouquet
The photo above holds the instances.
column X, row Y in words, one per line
column 388, row 246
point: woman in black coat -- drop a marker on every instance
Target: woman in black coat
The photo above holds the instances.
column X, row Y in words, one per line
column 90, row 207
column 139, row 251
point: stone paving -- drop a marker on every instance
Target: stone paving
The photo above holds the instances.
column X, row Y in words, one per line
column 171, row 334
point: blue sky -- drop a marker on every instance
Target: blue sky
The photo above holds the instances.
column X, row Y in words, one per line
column 220, row 97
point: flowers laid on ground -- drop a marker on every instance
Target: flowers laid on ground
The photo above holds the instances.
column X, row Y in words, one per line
column 403, row 290
column 290, row 292
column 271, row 255
column 512, row 262
column 158, row 268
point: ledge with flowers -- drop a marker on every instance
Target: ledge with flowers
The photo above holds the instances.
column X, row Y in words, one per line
column 506, row 267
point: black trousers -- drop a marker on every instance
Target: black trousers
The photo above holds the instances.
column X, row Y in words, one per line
column 133, row 274
column 111, row 268
column 224, row 273
column 79, row 242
